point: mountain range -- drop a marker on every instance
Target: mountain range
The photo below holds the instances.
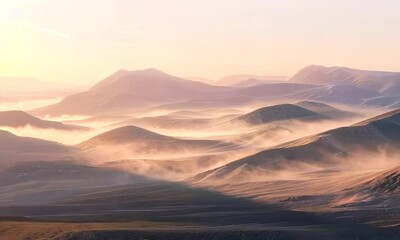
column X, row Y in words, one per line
column 137, row 90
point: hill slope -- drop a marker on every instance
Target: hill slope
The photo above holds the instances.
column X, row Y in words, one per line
column 127, row 90
column 387, row 83
column 17, row 119
column 278, row 113
column 132, row 142
column 15, row 148
column 320, row 150
column 325, row 109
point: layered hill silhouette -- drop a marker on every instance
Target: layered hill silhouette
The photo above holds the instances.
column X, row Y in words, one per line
column 248, row 80
column 279, row 112
column 321, row 150
column 167, row 122
column 15, row 148
column 387, row 83
column 325, row 109
column 383, row 102
column 13, row 143
column 18, row 119
column 130, row 141
column 343, row 94
column 127, row 90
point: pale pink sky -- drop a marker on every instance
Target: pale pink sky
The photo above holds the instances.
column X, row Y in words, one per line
column 84, row 40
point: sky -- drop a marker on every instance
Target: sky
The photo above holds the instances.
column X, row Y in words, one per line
column 83, row 41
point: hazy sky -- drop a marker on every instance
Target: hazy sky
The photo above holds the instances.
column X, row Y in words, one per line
column 85, row 40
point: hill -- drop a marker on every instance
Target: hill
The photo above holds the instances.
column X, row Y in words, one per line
column 18, row 119
column 325, row 109
column 321, row 150
column 280, row 112
column 12, row 143
column 129, row 90
column 15, row 148
column 132, row 142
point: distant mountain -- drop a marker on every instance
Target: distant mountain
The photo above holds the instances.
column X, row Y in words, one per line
column 383, row 102
column 387, row 83
column 17, row 119
column 278, row 113
column 253, row 82
column 129, row 90
column 346, row 94
column 240, row 79
column 343, row 94
column 319, row 150
column 325, row 109
column 132, row 142
column 277, row 90
column 200, row 79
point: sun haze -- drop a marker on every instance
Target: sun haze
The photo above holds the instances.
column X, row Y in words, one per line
column 85, row 40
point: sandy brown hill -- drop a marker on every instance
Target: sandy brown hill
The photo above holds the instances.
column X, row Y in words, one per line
column 131, row 142
column 320, row 150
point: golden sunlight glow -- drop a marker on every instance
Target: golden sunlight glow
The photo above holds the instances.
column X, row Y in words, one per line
column 61, row 41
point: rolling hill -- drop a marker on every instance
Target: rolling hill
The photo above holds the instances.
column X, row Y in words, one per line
column 276, row 113
column 167, row 122
column 133, row 142
column 18, row 119
column 15, row 148
column 320, row 150
column 12, row 143
column 325, row 109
